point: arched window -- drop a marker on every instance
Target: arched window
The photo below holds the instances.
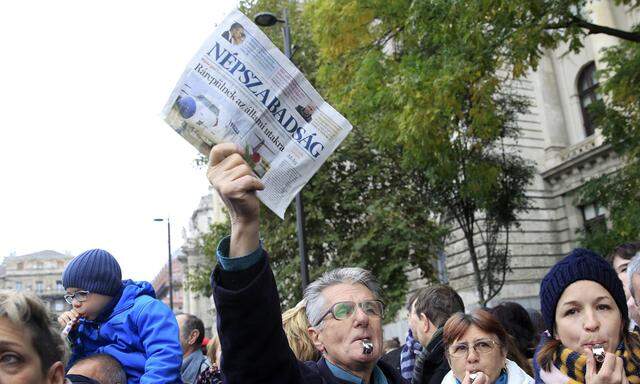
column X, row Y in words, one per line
column 588, row 94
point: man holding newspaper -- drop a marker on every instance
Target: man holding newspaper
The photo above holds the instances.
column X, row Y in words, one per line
column 343, row 305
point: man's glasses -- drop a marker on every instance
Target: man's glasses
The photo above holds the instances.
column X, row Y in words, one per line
column 79, row 295
column 345, row 309
column 481, row 347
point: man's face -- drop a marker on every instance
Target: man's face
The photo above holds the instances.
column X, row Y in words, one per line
column 92, row 306
column 620, row 266
column 341, row 340
column 19, row 361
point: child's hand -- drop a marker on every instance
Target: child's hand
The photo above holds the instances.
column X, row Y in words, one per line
column 71, row 316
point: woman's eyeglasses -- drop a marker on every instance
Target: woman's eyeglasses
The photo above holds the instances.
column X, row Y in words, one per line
column 481, row 347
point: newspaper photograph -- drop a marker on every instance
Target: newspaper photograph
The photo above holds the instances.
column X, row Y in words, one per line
column 240, row 88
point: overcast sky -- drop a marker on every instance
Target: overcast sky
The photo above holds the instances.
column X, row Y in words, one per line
column 85, row 159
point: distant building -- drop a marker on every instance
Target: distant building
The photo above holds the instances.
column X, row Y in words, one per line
column 161, row 284
column 39, row 273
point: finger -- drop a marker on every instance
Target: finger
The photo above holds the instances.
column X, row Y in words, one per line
column 249, row 183
column 239, row 171
column 481, row 379
column 466, row 379
column 619, row 373
column 231, row 161
column 220, row 151
column 608, row 366
column 591, row 363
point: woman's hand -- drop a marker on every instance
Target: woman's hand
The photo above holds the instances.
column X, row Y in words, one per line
column 611, row 371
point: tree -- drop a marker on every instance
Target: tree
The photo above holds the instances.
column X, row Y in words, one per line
column 362, row 208
column 428, row 77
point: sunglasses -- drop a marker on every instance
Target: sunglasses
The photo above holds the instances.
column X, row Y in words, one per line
column 345, row 309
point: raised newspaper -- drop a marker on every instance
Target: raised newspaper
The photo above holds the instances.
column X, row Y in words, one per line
column 240, row 88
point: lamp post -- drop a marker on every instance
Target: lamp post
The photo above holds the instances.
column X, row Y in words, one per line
column 170, row 263
column 267, row 19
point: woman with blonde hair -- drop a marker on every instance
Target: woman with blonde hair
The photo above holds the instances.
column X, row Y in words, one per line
column 295, row 324
column 32, row 350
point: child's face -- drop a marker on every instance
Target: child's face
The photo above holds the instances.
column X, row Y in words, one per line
column 92, row 305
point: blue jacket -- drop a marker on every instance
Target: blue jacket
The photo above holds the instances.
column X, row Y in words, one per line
column 139, row 331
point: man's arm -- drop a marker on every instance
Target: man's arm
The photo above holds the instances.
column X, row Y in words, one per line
column 254, row 346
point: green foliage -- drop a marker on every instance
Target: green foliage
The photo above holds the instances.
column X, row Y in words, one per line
column 427, row 77
column 198, row 279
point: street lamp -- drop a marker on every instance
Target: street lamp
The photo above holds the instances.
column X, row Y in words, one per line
column 170, row 264
column 267, row 19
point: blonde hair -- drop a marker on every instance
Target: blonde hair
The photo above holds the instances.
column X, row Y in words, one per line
column 27, row 312
column 295, row 324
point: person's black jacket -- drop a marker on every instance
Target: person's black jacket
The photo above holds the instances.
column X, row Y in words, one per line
column 254, row 346
column 393, row 359
column 431, row 365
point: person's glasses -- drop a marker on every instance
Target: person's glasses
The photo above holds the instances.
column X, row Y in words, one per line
column 481, row 347
column 345, row 309
column 79, row 295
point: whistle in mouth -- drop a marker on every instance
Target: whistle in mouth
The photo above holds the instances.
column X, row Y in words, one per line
column 473, row 376
column 367, row 346
column 598, row 353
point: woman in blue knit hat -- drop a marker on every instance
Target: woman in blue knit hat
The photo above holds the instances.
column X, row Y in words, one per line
column 584, row 309
column 120, row 318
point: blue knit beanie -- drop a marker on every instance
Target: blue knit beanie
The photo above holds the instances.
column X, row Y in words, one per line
column 94, row 270
column 580, row 264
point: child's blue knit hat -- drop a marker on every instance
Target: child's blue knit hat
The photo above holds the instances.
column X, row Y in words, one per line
column 95, row 270
column 580, row 264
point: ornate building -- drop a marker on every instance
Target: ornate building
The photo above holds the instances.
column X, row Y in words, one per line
column 39, row 273
column 557, row 134
column 160, row 284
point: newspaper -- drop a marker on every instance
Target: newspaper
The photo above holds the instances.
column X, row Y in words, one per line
column 240, row 88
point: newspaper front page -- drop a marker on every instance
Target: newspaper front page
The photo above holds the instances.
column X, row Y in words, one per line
column 240, row 88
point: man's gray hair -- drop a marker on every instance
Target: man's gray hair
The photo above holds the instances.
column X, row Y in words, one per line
column 632, row 268
column 313, row 293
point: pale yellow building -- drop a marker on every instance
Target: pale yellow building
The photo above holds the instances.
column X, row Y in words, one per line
column 39, row 273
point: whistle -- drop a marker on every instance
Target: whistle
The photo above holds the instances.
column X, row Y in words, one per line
column 598, row 355
column 367, row 346
column 473, row 376
column 66, row 330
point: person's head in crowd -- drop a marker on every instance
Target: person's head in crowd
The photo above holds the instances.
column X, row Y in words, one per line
column 91, row 280
column 391, row 344
column 31, row 349
column 429, row 308
column 214, row 349
column 344, row 308
column 583, row 303
column 515, row 319
column 619, row 259
column 633, row 275
column 296, row 326
column 191, row 333
column 101, row 368
column 477, row 343
column 538, row 322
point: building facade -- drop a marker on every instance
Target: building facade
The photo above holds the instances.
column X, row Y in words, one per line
column 161, row 285
column 567, row 150
column 39, row 273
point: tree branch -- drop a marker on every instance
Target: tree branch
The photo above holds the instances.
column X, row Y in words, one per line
column 595, row 29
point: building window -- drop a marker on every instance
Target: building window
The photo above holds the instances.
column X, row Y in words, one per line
column 59, row 306
column 59, row 286
column 20, row 266
column 18, row 286
column 594, row 218
column 588, row 94
column 39, row 287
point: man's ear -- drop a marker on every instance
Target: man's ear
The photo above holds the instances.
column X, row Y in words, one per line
column 55, row 375
column 425, row 322
column 193, row 336
column 314, row 335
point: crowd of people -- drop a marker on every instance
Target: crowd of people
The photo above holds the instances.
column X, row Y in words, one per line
column 117, row 332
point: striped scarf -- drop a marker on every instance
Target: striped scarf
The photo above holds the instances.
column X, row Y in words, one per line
column 410, row 350
column 574, row 364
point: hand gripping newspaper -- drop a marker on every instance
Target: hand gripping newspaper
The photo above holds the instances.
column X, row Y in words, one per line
column 240, row 88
